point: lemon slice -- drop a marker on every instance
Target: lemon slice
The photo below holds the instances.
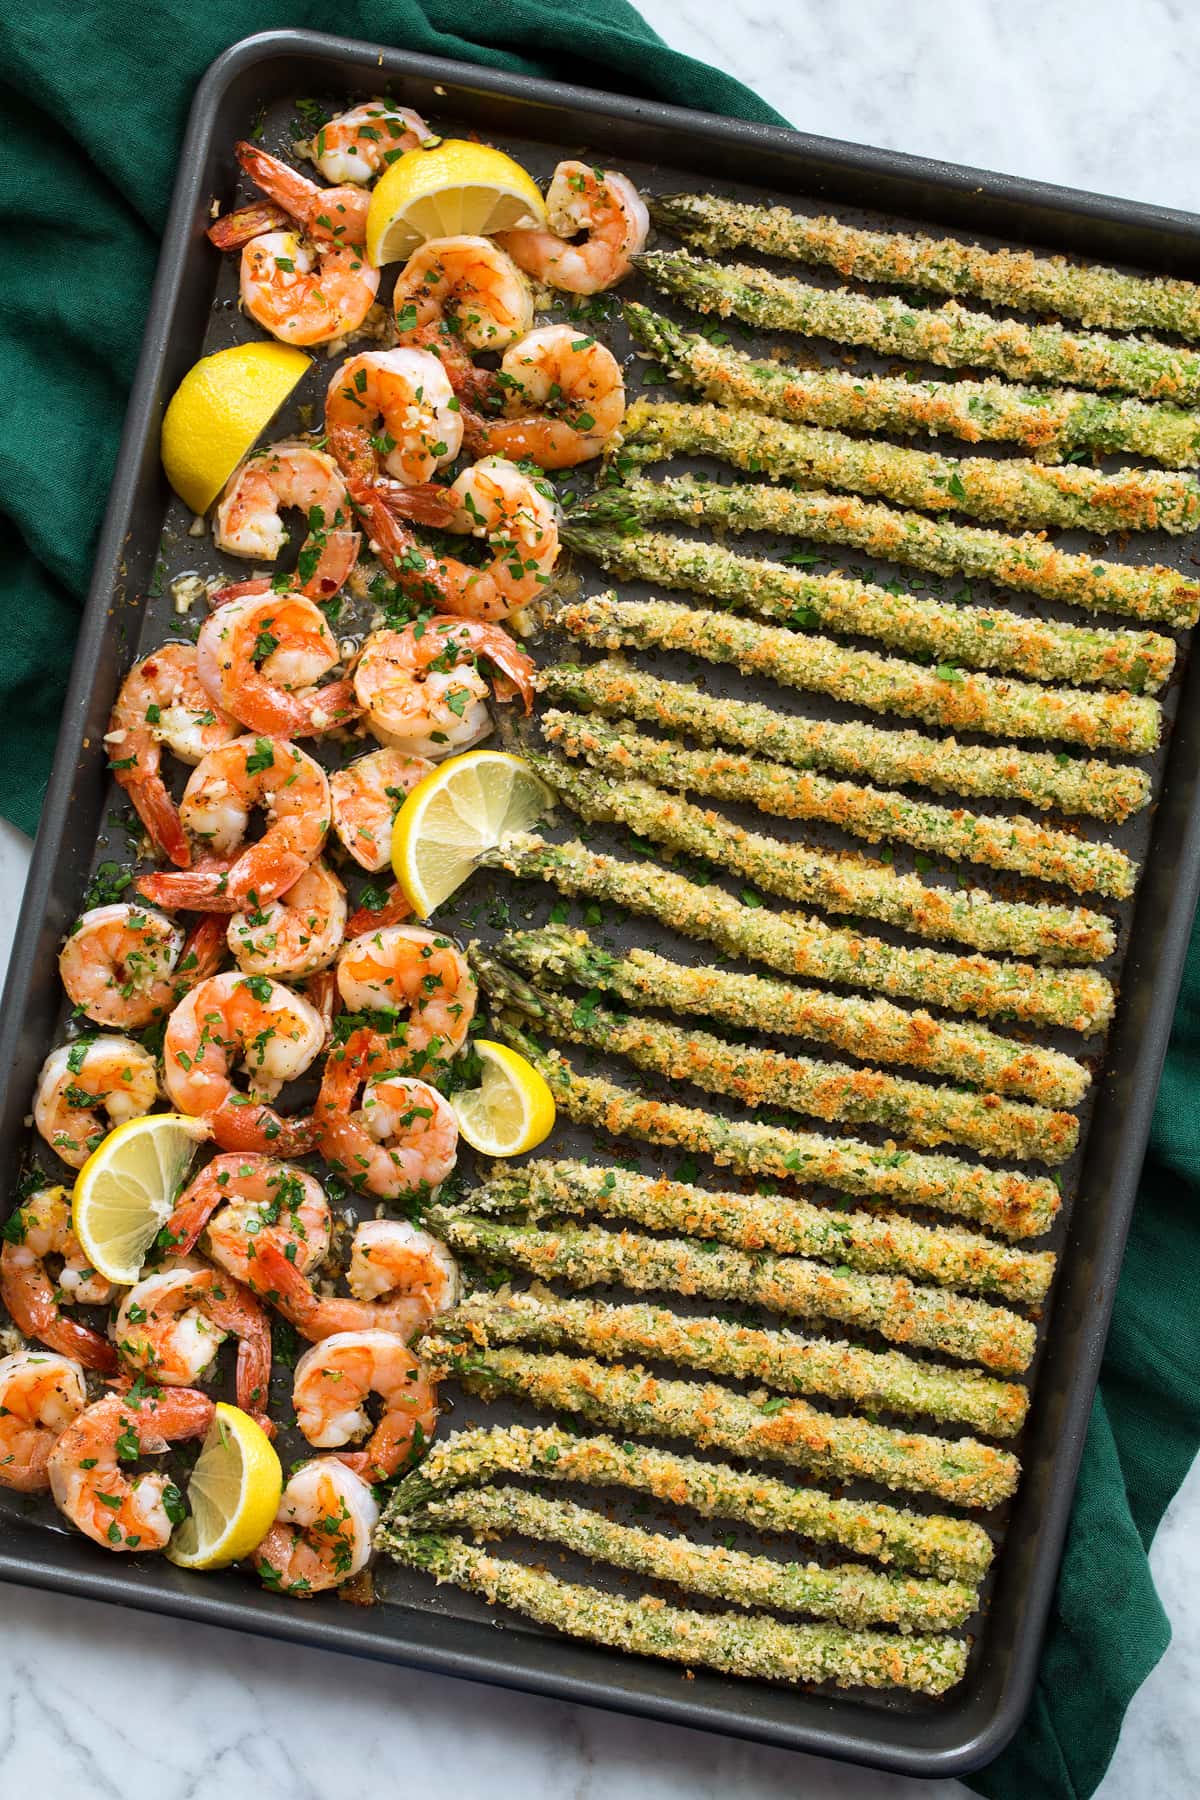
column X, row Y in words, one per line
column 233, row 1494
column 126, row 1189
column 454, row 188
column 465, row 806
column 512, row 1110
column 218, row 412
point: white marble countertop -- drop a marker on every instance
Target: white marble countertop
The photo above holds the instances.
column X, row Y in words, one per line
column 111, row 1703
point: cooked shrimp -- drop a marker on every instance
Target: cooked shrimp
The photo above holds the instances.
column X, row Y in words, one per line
column 276, row 1279
column 171, row 1325
column 292, row 474
column 162, row 701
column 563, row 397
column 241, row 1021
column 377, row 909
column 40, row 1394
column 402, row 1140
column 422, row 973
column 127, row 965
column 335, row 215
column 242, row 1201
column 390, row 1255
column 221, row 793
column 601, row 205
column 38, row 1232
column 330, row 1388
column 105, row 1075
column 469, row 285
column 422, row 689
column 395, row 411
column 117, row 1510
column 323, row 1532
column 366, row 796
column 295, row 935
column 260, row 656
column 359, row 144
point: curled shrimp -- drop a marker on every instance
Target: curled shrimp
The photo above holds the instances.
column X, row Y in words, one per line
column 162, row 701
column 422, row 688
column 260, row 656
column 91, row 1487
column 389, row 1256
column 365, row 797
column 330, row 1389
column 403, row 1137
column 221, row 794
column 291, row 474
column 170, row 1326
column 420, row 973
column 395, row 412
column 86, row 1087
column 242, row 1201
column 38, row 1235
column 40, row 1395
column 323, row 1532
column 467, row 284
column 605, row 208
column 276, row 1279
column 236, row 1021
column 358, row 145
column 127, row 965
column 562, row 396
column 295, row 935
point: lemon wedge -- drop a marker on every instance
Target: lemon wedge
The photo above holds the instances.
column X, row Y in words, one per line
column 512, row 1109
column 233, row 1494
column 218, row 412
column 454, row 188
column 126, row 1189
column 465, row 806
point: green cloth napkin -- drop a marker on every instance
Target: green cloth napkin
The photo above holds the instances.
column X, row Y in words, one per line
column 96, row 98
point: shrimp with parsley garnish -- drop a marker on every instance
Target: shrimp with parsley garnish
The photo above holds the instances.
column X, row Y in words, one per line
column 366, row 796
column 422, row 688
column 421, row 976
column 170, row 1326
column 126, row 965
column 42, row 1270
column 87, row 1087
column 330, row 1390
column 358, row 145
column 402, row 1136
column 296, row 934
column 261, row 655
column 242, row 1201
column 466, row 285
column 393, row 413
column 40, row 1395
column 163, row 703
column 323, row 1531
column 290, row 476
column 90, row 1474
column 557, row 400
column 597, row 223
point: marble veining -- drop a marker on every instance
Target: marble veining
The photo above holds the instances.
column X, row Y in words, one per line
column 116, row 1704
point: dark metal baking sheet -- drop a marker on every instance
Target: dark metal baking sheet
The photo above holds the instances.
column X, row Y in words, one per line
column 191, row 310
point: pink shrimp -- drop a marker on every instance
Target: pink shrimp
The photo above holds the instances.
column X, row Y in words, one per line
column 357, row 145
column 331, row 1384
column 402, row 1140
column 89, row 1466
column 260, row 655
column 162, row 701
column 127, row 966
column 38, row 1230
column 170, row 1326
column 40, row 1394
column 317, row 1316
column 377, row 910
column 393, row 412
column 467, row 284
column 601, row 205
column 242, row 1202
column 419, row 974
column 422, row 689
column 366, row 796
column 323, row 1533
column 247, row 520
column 561, row 394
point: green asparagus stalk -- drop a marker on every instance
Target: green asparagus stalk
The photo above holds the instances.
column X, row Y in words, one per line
column 923, row 1543
column 917, row 1112
column 962, row 1471
column 1018, row 278
column 1028, row 562
column 948, row 335
column 869, row 1379
column 850, row 1595
column 998, row 840
column 946, row 1255
column 753, row 1646
column 1051, row 422
column 956, row 1325
column 987, row 637
column 894, row 758
column 839, row 881
column 1014, row 1206
column 944, row 695
column 1075, row 999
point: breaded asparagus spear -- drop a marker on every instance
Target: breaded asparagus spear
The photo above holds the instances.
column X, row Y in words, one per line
column 950, row 335
column 1013, row 490
column 838, row 881
column 1049, row 421
column 998, row 840
column 961, row 699
column 1076, row 999
column 1024, row 279
column 850, row 1595
column 1015, row 1206
column 986, row 637
column 754, row 1645
column 917, row 1112
column 962, row 1471
column 894, row 758
column 876, row 1243
column 925, row 1543
column 869, row 1379
column 1028, row 562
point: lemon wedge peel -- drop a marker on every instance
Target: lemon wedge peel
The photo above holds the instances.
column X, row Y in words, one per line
column 219, row 411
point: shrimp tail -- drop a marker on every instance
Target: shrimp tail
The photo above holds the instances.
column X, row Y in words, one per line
column 203, row 950
column 277, row 1280
column 33, row 1310
column 238, row 590
column 517, row 670
column 254, row 1126
column 393, row 910
column 159, row 814
column 193, row 890
column 234, row 230
column 425, row 503
column 391, row 540
column 339, row 553
column 321, row 990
